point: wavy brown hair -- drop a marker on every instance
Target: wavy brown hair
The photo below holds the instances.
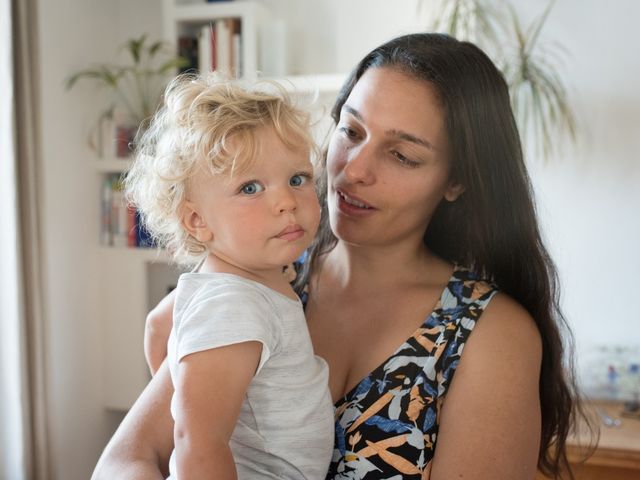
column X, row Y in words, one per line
column 493, row 226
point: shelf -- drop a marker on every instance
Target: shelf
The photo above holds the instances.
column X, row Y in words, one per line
column 112, row 165
column 150, row 255
column 203, row 12
column 188, row 18
column 310, row 84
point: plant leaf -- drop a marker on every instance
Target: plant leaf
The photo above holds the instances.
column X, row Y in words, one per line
column 110, row 77
column 134, row 47
column 171, row 64
column 533, row 32
column 155, row 48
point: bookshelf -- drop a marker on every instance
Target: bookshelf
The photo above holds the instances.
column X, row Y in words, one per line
column 188, row 20
column 133, row 280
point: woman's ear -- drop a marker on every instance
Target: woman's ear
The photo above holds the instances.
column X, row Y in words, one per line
column 453, row 191
column 195, row 224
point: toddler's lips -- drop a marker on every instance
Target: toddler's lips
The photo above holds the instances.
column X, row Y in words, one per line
column 292, row 232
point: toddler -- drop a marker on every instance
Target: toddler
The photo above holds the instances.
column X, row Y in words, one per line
column 223, row 177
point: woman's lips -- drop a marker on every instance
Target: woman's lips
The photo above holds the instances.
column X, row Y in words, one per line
column 352, row 205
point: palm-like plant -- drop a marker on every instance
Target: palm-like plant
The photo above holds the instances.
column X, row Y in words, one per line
column 138, row 85
column 539, row 97
column 538, row 94
column 472, row 20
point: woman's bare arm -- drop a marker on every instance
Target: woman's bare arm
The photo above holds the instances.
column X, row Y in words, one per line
column 490, row 420
column 157, row 330
column 141, row 447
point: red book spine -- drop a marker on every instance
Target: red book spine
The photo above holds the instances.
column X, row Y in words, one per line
column 132, row 227
column 213, row 49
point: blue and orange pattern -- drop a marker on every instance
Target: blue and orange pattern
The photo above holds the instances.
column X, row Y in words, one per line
column 386, row 427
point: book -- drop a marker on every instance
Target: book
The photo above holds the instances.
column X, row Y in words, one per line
column 105, row 212
column 205, row 49
column 236, row 48
column 223, row 45
column 132, row 227
column 119, row 215
column 188, row 49
column 143, row 237
column 120, row 222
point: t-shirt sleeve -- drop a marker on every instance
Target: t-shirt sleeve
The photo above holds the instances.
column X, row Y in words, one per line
column 226, row 315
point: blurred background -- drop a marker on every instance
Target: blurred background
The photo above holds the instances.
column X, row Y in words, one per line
column 84, row 290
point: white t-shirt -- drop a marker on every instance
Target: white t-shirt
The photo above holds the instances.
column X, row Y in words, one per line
column 285, row 429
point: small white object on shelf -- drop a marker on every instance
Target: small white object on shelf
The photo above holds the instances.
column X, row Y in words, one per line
column 113, row 165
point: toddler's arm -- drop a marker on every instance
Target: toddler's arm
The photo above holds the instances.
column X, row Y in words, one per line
column 156, row 332
column 210, row 388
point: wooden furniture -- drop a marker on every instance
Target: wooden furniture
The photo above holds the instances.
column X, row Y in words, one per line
column 617, row 454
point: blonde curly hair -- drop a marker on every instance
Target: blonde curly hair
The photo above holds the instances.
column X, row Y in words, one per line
column 205, row 122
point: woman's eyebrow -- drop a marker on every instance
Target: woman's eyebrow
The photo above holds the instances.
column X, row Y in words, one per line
column 398, row 134
column 352, row 111
column 401, row 135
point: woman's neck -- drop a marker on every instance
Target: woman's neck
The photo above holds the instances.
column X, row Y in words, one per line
column 356, row 268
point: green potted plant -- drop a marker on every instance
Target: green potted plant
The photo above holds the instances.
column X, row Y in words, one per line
column 136, row 88
column 538, row 95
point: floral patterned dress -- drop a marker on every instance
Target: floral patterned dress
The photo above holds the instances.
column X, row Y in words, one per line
column 387, row 426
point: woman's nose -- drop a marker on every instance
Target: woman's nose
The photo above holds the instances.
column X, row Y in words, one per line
column 359, row 165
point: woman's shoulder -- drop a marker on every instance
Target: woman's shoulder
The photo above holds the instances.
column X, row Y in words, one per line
column 500, row 371
column 467, row 286
column 508, row 330
column 503, row 318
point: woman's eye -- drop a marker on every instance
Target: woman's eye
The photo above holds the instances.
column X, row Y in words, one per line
column 251, row 188
column 299, row 179
column 404, row 160
column 348, row 132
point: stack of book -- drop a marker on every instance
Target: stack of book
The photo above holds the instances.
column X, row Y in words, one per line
column 218, row 47
column 120, row 225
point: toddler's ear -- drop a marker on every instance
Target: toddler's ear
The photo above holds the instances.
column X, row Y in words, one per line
column 195, row 224
column 453, row 192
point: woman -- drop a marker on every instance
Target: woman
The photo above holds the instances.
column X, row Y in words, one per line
column 425, row 195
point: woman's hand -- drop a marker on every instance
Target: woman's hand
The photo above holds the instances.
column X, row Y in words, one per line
column 141, row 447
column 156, row 332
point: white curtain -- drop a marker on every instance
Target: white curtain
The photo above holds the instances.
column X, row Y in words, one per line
column 23, row 446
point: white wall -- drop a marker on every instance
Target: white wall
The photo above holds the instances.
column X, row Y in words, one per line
column 588, row 203
column 330, row 36
column 590, row 199
column 72, row 34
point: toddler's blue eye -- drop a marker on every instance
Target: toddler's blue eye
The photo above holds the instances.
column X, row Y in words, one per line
column 297, row 180
column 251, row 188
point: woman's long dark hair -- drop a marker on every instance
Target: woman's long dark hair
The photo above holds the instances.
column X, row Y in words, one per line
column 492, row 227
